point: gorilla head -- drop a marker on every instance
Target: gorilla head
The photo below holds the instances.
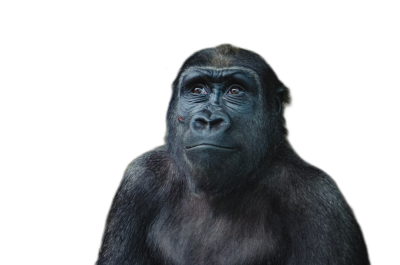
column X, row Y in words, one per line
column 225, row 118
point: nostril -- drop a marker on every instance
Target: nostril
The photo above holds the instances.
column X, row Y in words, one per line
column 217, row 122
column 200, row 123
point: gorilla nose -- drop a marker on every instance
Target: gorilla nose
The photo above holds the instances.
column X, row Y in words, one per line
column 209, row 125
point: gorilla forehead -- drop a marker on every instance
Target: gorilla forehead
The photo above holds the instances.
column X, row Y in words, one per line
column 230, row 57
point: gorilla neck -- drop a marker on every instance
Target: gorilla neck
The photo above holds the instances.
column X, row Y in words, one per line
column 219, row 181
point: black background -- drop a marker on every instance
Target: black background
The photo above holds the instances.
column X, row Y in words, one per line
column 108, row 81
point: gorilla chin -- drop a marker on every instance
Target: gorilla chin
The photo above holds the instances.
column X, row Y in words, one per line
column 213, row 167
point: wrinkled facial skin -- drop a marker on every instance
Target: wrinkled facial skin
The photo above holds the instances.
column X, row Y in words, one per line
column 222, row 119
column 214, row 101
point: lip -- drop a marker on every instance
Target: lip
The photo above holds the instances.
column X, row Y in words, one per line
column 206, row 145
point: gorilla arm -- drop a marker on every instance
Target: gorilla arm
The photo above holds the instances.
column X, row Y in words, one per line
column 124, row 240
column 326, row 231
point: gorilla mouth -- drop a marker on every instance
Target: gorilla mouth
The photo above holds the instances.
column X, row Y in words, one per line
column 209, row 145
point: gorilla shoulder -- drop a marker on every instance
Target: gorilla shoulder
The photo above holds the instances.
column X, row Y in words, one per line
column 302, row 184
column 148, row 172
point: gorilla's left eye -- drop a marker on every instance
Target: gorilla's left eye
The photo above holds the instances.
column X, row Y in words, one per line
column 235, row 90
column 198, row 89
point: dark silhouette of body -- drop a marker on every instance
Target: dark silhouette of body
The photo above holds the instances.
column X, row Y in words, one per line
column 227, row 188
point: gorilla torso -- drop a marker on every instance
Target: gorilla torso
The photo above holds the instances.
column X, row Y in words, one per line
column 250, row 226
column 195, row 229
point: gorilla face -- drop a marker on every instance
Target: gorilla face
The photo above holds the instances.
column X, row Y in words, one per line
column 217, row 107
column 215, row 102
column 225, row 118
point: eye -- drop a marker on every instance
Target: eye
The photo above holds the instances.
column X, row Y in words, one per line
column 235, row 90
column 199, row 89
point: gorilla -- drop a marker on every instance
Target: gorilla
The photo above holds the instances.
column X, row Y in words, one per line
column 227, row 187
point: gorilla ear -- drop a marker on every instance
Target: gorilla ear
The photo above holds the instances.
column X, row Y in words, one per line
column 279, row 99
column 282, row 97
column 279, row 106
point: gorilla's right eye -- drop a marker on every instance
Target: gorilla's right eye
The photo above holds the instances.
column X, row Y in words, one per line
column 198, row 89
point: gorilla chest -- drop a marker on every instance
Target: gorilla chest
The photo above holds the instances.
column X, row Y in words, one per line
column 206, row 238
